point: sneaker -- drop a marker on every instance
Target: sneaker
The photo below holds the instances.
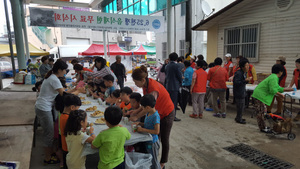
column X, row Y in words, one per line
column 200, row 116
column 209, row 109
column 224, row 115
column 193, row 116
column 217, row 115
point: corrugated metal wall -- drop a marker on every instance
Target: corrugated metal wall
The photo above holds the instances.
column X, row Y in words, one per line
column 279, row 33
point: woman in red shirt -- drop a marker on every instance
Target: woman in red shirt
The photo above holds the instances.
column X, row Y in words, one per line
column 164, row 106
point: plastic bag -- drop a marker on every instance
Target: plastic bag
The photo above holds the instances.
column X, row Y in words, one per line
column 135, row 160
column 20, row 78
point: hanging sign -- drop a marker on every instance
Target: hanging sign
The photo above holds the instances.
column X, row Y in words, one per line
column 94, row 20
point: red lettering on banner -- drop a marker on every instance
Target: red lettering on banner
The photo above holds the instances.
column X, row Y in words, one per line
column 65, row 17
column 57, row 16
column 90, row 18
column 83, row 19
column 73, row 17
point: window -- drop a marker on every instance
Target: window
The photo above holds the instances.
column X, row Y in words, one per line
column 243, row 41
column 181, row 48
column 144, row 7
column 183, row 9
column 164, row 50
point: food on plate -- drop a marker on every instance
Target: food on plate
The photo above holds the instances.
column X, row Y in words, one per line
column 229, row 83
column 91, row 108
column 82, row 98
column 85, row 102
column 97, row 114
column 100, row 121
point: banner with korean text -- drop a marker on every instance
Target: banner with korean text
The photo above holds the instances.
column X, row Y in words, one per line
column 94, row 20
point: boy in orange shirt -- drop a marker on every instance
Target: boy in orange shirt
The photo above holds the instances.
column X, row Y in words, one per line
column 125, row 97
column 71, row 103
column 198, row 90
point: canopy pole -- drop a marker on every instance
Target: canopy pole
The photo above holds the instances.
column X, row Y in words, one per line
column 10, row 40
column 108, row 46
column 104, row 44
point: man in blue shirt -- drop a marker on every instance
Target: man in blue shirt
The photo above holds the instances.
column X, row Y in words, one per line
column 187, row 78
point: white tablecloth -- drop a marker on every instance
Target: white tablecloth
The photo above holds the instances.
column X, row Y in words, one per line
column 293, row 95
column 249, row 87
column 135, row 136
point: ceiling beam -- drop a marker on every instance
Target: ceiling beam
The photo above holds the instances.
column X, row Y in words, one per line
column 59, row 3
column 94, row 3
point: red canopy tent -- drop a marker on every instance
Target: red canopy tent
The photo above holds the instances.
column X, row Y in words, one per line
column 139, row 51
column 98, row 49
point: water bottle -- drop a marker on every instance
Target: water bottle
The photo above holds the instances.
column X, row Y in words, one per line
column 33, row 79
column 294, row 92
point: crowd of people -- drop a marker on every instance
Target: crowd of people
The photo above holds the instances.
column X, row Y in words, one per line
column 58, row 106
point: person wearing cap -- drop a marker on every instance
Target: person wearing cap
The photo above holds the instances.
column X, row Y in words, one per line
column 119, row 70
column 296, row 80
column 280, row 60
column 228, row 65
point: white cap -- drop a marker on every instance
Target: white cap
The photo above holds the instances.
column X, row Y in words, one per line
column 228, row 55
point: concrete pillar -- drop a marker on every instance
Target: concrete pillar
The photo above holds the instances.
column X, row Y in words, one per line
column 24, row 30
column 169, row 33
column 17, row 20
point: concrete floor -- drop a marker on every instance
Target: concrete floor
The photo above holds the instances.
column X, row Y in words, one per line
column 199, row 143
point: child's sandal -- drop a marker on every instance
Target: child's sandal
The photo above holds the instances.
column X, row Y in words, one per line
column 52, row 161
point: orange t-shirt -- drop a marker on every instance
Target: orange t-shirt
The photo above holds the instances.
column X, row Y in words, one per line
column 123, row 105
column 62, row 124
column 164, row 104
column 217, row 77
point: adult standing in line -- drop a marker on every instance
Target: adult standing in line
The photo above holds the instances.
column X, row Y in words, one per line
column 239, row 89
column 164, row 106
column 173, row 80
column 187, row 79
column 45, row 67
column 102, row 70
column 217, row 77
column 119, row 70
column 228, row 66
column 181, row 64
column 50, row 88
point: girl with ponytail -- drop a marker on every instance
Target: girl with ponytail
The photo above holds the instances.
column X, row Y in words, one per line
column 164, row 106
